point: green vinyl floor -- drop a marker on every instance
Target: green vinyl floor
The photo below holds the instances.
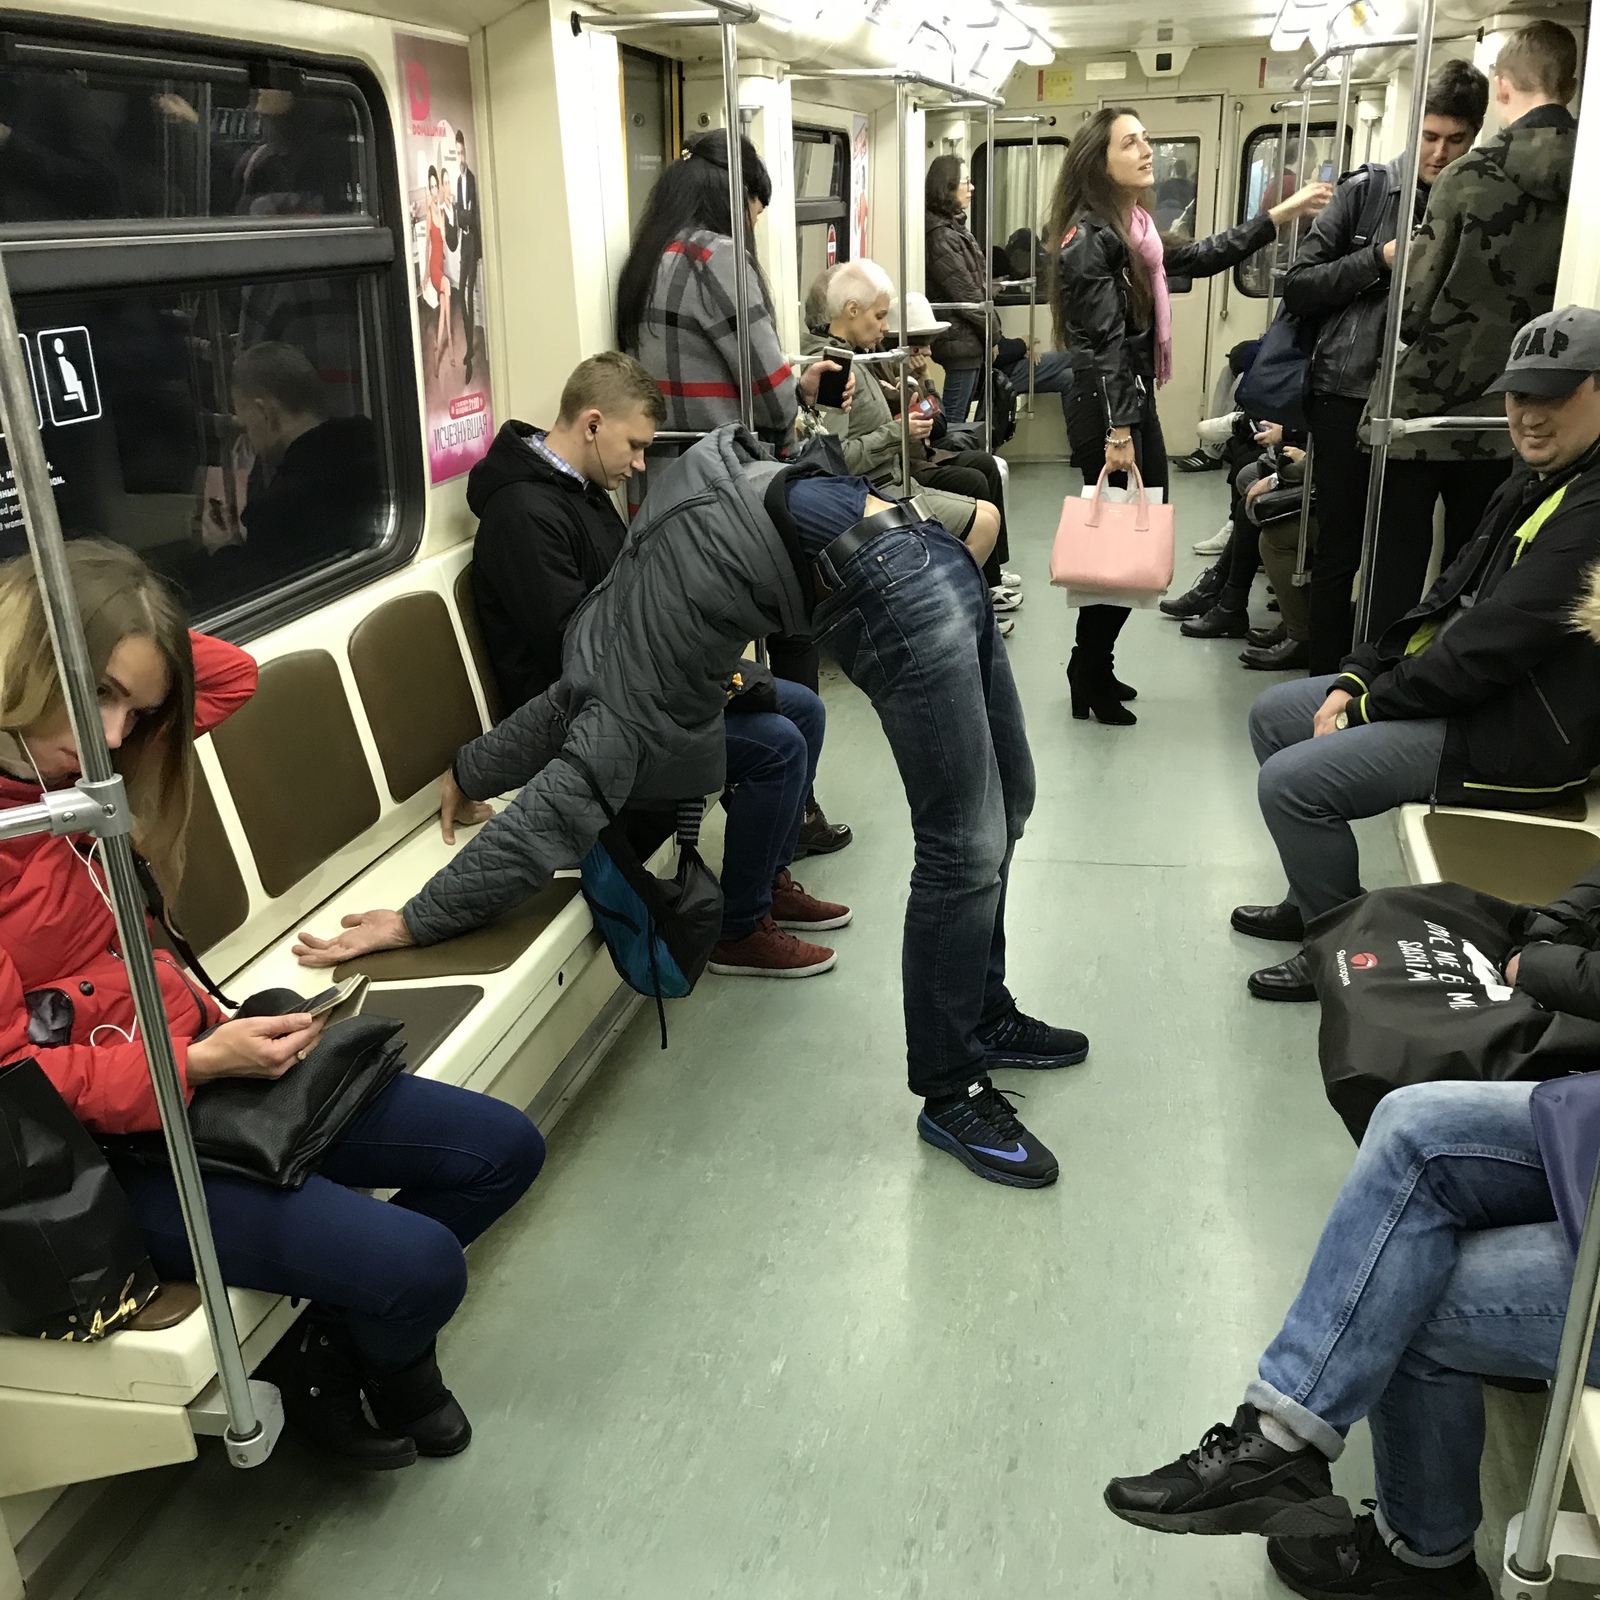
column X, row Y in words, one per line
column 749, row 1337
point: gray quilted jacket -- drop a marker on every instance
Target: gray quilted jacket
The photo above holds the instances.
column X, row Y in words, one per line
column 646, row 665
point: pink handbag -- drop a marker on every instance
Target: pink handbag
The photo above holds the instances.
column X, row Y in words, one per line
column 1102, row 546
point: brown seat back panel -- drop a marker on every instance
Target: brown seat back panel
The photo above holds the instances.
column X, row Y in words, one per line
column 296, row 769
column 415, row 688
column 467, row 605
column 212, row 900
column 430, row 1015
column 490, row 949
column 1516, row 860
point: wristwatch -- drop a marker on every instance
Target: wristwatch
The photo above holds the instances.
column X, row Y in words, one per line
column 1342, row 721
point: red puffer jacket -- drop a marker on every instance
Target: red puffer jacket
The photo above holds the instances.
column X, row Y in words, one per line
column 57, row 933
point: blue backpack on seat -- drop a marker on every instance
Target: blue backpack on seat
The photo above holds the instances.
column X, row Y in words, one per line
column 659, row 931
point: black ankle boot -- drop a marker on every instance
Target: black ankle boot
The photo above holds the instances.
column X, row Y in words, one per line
column 1094, row 689
column 314, row 1368
column 1198, row 600
column 1220, row 622
column 415, row 1401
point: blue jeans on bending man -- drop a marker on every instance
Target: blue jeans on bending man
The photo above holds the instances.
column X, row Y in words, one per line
column 907, row 616
column 1441, row 1260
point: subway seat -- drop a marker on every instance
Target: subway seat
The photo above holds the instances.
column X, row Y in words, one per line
column 318, row 799
column 1523, row 857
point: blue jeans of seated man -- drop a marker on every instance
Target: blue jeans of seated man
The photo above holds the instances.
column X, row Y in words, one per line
column 1440, row 1260
column 1311, row 788
column 772, row 763
column 1052, row 374
column 394, row 1268
column 913, row 628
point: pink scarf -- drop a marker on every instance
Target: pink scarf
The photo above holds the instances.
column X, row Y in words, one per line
column 1147, row 241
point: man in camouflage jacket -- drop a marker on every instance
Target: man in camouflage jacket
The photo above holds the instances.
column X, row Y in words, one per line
column 1483, row 264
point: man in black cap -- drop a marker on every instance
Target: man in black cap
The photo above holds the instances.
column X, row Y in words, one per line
column 1483, row 695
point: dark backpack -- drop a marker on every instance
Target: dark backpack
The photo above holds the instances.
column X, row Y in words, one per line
column 1003, row 400
column 1278, row 385
column 659, row 931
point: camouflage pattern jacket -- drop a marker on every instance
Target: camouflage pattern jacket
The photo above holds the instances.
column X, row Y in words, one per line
column 1482, row 265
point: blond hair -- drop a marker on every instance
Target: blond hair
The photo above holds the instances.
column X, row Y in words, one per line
column 119, row 598
column 1541, row 58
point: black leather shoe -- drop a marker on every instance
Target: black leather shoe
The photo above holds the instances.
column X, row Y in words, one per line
column 1197, row 601
column 1293, row 655
column 1218, row 623
column 1282, row 921
column 1289, row 981
column 416, row 1403
column 819, row 837
column 1265, row 638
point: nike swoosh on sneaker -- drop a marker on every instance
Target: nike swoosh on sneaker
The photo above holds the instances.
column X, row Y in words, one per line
column 1019, row 1154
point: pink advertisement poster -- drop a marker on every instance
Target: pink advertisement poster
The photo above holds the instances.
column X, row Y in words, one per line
column 439, row 174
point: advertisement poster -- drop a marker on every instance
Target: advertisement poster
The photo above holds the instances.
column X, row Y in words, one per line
column 439, row 173
column 858, row 188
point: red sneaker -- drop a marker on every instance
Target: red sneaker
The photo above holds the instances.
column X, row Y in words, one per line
column 793, row 908
column 769, row 952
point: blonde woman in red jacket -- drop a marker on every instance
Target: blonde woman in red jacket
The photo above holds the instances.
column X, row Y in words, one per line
column 383, row 1278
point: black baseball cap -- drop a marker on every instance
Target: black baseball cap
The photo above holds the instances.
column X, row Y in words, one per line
column 1553, row 354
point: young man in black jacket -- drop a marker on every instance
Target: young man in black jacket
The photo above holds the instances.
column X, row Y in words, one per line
column 548, row 534
column 1341, row 275
column 1485, row 694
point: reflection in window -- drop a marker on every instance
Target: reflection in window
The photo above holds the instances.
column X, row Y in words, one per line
column 1175, row 195
column 239, row 441
column 82, row 146
column 822, row 201
column 1019, row 236
column 1260, row 189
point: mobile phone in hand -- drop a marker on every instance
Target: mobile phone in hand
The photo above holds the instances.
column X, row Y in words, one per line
column 831, row 385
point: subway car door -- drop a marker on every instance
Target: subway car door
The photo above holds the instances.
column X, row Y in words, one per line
column 1185, row 137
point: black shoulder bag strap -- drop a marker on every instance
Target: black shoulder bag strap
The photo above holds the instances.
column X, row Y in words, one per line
column 157, row 906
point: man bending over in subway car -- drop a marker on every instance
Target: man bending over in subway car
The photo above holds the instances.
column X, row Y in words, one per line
column 547, row 534
column 1484, row 695
column 723, row 552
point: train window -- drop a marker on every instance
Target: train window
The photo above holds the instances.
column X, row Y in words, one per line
column 821, row 200
column 1015, row 228
column 1259, row 189
column 652, row 122
column 1177, row 167
column 211, row 287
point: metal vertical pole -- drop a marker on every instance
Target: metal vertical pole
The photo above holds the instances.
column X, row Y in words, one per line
column 1383, row 409
column 1301, row 177
column 988, row 279
column 248, row 1441
column 738, row 215
column 1033, row 253
column 1283, row 162
column 1531, row 1561
column 1301, row 577
column 902, row 110
column 1340, row 163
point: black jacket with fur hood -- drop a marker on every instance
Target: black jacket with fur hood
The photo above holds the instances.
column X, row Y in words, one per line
column 1506, row 645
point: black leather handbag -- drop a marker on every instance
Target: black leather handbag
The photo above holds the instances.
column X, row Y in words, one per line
column 72, row 1261
column 277, row 1130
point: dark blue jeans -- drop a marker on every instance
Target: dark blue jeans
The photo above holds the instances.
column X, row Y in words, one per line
column 772, row 763
column 913, row 628
column 395, row 1268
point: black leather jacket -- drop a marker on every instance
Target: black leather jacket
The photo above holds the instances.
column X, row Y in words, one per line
column 1112, row 356
column 1341, row 278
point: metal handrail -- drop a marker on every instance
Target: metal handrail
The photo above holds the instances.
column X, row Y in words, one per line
column 895, row 76
column 1383, row 394
column 1392, row 42
column 724, row 12
column 254, row 1412
column 1404, row 427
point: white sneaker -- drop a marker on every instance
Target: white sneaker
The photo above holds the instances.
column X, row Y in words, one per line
column 1216, row 430
column 1005, row 599
column 1010, row 579
column 1005, row 625
column 1217, row 543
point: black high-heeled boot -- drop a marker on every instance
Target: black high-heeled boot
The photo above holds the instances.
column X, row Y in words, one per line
column 1095, row 691
column 415, row 1402
column 1123, row 691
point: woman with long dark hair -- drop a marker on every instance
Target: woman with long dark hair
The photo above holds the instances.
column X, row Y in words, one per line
column 675, row 313
column 1112, row 313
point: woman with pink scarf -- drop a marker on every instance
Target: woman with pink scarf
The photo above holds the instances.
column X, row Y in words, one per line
column 1113, row 315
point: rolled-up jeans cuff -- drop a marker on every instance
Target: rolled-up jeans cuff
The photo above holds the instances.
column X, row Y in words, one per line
column 1294, row 1416
column 1404, row 1553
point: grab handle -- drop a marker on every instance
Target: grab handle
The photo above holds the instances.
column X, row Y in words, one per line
column 1141, row 520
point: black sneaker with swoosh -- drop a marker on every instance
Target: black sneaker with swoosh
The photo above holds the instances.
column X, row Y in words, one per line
column 1015, row 1039
column 1236, row 1481
column 979, row 1127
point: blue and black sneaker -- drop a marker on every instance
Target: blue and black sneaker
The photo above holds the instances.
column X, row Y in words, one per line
column 1016, row 1040
column 979, row 1127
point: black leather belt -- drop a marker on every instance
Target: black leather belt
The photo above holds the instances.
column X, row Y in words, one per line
column 902, row 514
